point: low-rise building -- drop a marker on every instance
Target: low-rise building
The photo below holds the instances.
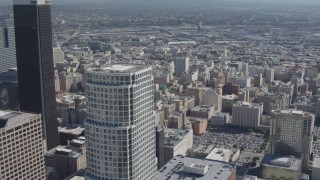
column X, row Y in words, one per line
column 191, row 168
column 68, row 133
column 202, row 111
column 175, row 121
column 280, row 167
column 228, row 101
column 177, row 142
column 316, row 169
column 199, row 124
column 65, row 161
column 220, row 155
column 219, row 119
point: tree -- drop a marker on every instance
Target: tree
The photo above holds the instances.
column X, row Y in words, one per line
column 253, row 164
column 261, row 131
column 250, row 130
column 241, row 148
column 315, row 138
column 235, row 146
column 256, row 158
column 264, row 146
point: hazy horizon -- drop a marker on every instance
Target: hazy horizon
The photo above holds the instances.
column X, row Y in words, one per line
column 191, row 2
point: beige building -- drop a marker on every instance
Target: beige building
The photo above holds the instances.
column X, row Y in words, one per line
column 21, row 146
column 291, row 134
column 199, row 124
column 176, row 120
column 169, row 109
column 212, row 98
column 247, row 114
column 197, row 93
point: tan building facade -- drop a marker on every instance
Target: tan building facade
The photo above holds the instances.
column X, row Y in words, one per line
column 21, row 146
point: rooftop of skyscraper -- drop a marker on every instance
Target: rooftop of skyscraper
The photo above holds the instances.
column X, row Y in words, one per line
column 292, row 112
column 119, row 68
column 10, row 118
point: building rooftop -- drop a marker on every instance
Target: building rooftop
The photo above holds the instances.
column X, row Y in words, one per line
column 218, row 154
column 61, row 150
column 292, row 112
column 248, row 177
column 282, row 162
column 119, row 68
column 73, row 131
column 174, row 136
column 190, row 168
column 32, row 2
column 316, row 162
column 248, row 104
column 10, row 118
column 202, row 108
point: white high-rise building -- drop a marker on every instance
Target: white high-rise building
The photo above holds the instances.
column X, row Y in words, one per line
column 120, row 124
column 212, row 98
column 7, row 45
column 181, row 65
column 247, row 114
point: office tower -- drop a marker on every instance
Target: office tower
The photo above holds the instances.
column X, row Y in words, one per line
column 7, row 44
column 245, row 69
column 21, row 146
column 247, row 114
column 291, row 134
column 33, row 32
column 269, row 75
column 181, row 65
column 258, row 80
column 9, row 90
column 120, row 124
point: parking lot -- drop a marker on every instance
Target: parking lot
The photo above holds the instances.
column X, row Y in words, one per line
column 228, row 138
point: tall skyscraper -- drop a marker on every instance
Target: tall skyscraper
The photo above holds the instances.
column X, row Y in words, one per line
column 32, row 19
column 7, row 44
column 21, row 146
column 291, row 134
column 120, row 124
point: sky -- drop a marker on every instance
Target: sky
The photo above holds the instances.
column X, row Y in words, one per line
column 266, row 2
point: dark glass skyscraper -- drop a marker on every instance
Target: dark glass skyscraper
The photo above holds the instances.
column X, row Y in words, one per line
column 32, row 19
